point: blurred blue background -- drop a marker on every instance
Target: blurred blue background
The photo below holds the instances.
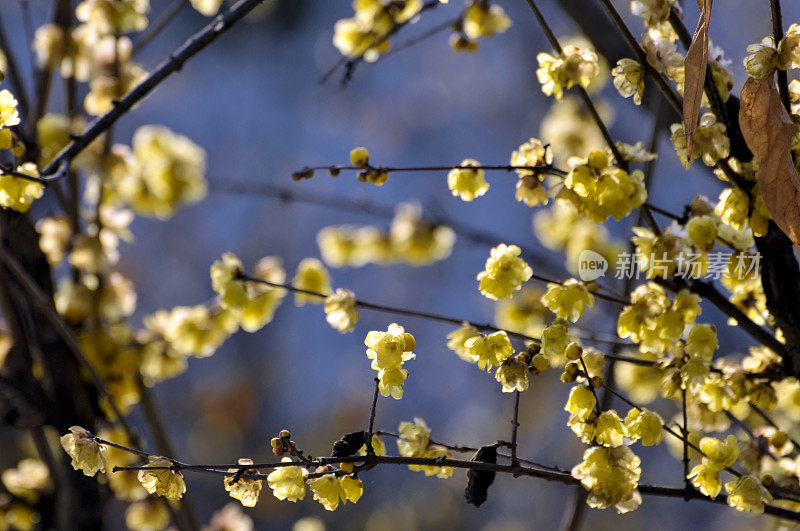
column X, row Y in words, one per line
column 253, row 101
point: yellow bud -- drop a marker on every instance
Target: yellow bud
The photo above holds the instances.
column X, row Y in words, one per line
column 540, row 362
column 347, row 467
column 597, row 382
column 359, row 157
column 574, row 352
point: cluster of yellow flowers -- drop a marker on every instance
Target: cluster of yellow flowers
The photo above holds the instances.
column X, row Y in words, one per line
column 410, row 240
column 574, row 66
column 415, row 441
column 611, row 475
column 162, row 172
column 598, row 189
column 479, row 20
column 25, row 485
column 367, row 33
column 717, row 456
column 765, row 57
column 711, row 142
column 504, row 273
column 97, row 50
column 655, row 322
column 388, row 351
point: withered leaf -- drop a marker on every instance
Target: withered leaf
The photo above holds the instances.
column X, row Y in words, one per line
column 479, row 481
column 768, row 131
column 349, row 443
column 695, row 65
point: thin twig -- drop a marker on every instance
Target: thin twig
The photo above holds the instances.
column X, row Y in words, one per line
column 542, row 472
column 777, row 34
column 370, row 449
column 395, row 310
column 170, row 13
column 514, row 429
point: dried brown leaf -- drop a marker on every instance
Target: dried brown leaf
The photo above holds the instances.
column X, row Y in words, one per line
column 695, row 65
column 768, row 130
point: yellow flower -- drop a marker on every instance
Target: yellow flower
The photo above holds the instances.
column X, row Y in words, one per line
column 457, row 339
column 341, row 310
column 435, row 451
column 513, row 374
column 352, row 488
column 645, row 426
column 706, row 479
column 327, row 490
column 733, row 208
column 718, row 454
column 568, row 300
column 483, row 20
column 246, row 490
column 609, row 430
column 311, row 276
column 747, row 494
column 54, row 236
column 611, row 475
column 504, row 273
column 489, row 350
column 18, row 193
column 789, row 49
column 288, row 482
column 414, row 438
column 164, row 482
column 702, row 232
column 555, row 338
column 466, row 183
column 762, row 59
column 581, row 403
column 86, row 453
column 629, row 79
column 702, row 341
